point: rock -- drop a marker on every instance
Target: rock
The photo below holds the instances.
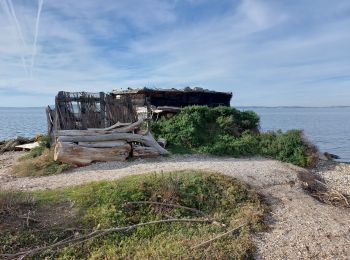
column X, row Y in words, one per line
column 322, row 156
column 331, row 156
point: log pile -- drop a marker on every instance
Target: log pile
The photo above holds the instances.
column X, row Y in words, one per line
column 115, row 143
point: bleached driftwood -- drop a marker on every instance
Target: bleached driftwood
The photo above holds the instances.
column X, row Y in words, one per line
column 90, row 132
column 147, row 139
column 105, row 144
column 81, row 147
column 77, row 155
column 27, row 147
column 118, row 124
column 144, row 152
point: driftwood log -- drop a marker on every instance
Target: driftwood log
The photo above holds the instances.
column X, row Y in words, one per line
column 147, row 140
column 89, row 132
column 144, row 152
column 115, row 143
column 105, row 144
column 78, row 155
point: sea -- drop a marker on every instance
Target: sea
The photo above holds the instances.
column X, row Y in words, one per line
column 328, row 128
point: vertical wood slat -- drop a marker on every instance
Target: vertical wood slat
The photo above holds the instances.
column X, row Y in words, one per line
column 79, row 110
column 103, row 109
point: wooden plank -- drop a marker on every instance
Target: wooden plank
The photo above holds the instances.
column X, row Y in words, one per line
column 103, row 109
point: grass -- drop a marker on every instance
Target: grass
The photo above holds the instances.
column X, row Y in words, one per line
column 103, row 205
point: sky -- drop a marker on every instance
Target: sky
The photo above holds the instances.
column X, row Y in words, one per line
column 267, row 52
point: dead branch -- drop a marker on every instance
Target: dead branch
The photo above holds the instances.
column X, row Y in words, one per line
column 97, row 233
column 219, row 236
column 197, row 211
column 336, row 192
column 118, row 124
column 27, row 218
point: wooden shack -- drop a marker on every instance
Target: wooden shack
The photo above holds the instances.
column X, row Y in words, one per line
column 87, row 127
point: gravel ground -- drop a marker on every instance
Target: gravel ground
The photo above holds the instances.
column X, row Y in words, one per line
column 301, row 227
column 6, row 161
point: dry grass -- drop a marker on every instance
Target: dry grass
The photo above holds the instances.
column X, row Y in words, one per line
column 40, row 164
column 12, row 201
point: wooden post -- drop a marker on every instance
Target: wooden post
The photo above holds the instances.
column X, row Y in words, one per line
column 50, row 125
column 83, row 113
column 103, row 109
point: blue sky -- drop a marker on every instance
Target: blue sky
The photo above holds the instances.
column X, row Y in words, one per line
column 267, row 52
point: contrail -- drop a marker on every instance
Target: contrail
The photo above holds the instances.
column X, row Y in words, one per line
column 8, row 7
column 40, row 6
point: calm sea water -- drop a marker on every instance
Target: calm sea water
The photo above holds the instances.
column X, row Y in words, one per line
column 22, row 122
column 328, row 128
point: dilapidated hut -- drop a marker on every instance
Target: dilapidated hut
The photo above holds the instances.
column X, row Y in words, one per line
column 83, row 110
column 87, row 127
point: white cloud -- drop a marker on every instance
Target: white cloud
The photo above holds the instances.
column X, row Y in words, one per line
column 257, row 49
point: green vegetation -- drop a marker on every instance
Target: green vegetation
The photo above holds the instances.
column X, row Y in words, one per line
column 39, row 161
column 80, row 210
column 228, row 131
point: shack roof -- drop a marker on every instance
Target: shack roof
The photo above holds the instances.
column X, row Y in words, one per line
column 172, row 90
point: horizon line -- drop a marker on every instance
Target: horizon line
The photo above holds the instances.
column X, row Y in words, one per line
column 239, row 106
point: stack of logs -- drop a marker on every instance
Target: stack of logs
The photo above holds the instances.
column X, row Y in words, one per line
column 115, row 143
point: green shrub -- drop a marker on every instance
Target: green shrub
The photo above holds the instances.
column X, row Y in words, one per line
column 197, row 126
column 245, row 145
column 228, row 131
column 286, row 147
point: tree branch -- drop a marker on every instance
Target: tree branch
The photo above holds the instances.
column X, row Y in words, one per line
column 97, row 233
column 219, row 236
column 197, row 211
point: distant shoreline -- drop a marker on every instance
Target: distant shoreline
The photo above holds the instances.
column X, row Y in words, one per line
column 233, row 106
column 291, row 107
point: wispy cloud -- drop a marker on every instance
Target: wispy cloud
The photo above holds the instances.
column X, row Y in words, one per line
column 267, row 52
